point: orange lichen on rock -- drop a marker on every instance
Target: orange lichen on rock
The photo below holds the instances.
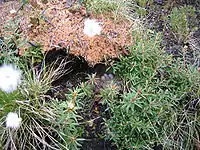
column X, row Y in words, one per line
column 7, row 11
column 60, row 26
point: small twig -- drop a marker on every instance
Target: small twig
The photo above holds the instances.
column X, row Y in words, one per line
column 136, row 95
column 45, row 18
column 21, row 6
column 49, row 22
column 68, row 3
column 32, row 44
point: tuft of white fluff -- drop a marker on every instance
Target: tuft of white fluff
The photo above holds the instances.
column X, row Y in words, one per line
column 13, row 11
column 10, row 78
column 91, row 27
column 71, row 105
column 12, row 120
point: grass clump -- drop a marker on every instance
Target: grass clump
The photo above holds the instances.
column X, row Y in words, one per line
column 139, row 7
column 178, row 20
column 103, row 6
column 46, row 122
column 153, row 108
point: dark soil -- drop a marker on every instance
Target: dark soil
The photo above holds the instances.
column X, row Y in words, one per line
column 181, row 49
column 94, row 131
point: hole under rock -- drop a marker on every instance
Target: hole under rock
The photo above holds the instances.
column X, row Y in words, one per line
column 78, row 72
column 76, row 67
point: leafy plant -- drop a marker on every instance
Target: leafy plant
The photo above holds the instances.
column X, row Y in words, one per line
column 149, row 111
column 33, row 55
column 7, row 102
column 11, row 42
column 8, row 51
column 139, row 7
column 178, row 20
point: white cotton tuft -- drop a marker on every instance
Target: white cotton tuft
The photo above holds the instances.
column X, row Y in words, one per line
column 13, row 11
column 71, row 105
column 12, row 120
column 10, row 78
column 91, row 27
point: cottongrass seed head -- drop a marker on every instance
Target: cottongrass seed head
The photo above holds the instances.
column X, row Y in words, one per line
column 71, row 105
column 10, row 78
column 12, row 120
column 91, row 27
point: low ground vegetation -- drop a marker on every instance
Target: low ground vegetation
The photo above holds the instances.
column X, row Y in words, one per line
column 146, row 98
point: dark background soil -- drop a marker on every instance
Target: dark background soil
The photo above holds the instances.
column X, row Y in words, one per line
column 180, row 49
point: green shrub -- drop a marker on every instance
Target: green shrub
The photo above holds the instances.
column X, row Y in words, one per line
column 151, row 109
column 33, row 55
column 8, row 51
column 11, row 42
column 139, row 7
column 178, row 20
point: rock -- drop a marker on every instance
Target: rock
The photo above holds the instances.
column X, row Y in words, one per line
column 194, row 40
column 110, row 76
column 159, row 2
column 194, row 45
column 103, row 78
